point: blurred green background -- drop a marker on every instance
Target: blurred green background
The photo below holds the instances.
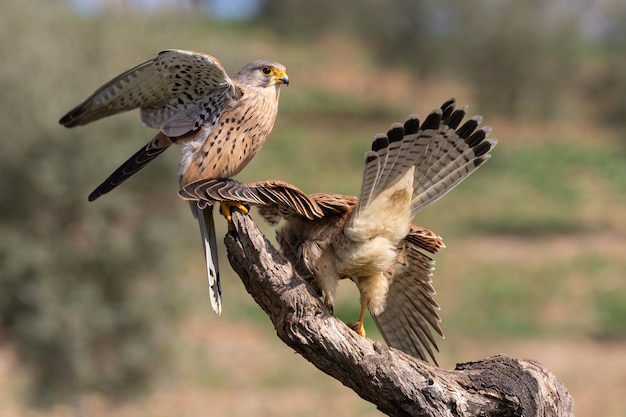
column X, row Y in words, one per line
column 103, row 306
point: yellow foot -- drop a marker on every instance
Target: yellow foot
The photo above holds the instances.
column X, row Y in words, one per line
column 227, row 206
column 358, row 327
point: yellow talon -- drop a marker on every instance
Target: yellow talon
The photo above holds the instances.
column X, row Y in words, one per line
column 226, row 208
column 358, row 327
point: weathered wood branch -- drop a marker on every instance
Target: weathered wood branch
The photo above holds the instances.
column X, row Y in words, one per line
column 397, row 383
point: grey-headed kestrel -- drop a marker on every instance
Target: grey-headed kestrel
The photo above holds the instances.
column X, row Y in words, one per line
column 222, row 122
column 371, row 240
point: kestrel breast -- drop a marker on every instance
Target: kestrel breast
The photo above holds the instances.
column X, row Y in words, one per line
column 239, row 133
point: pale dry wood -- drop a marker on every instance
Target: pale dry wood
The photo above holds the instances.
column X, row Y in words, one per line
column 398, row 384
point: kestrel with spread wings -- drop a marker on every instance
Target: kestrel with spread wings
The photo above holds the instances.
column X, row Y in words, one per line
column 221, row 122
column 371, row 240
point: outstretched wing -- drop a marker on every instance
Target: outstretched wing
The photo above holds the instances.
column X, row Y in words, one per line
column 275, row 199
column 411, row 313
column 134, row 164
column 177, row 92
column 452, row 155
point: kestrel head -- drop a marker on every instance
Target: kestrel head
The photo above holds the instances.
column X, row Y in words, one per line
column 262, row 73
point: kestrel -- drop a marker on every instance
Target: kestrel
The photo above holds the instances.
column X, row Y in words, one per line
column 371, row 240
column 221, row 121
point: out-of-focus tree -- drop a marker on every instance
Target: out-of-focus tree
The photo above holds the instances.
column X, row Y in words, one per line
column 607, row 86
column 305, row 19
column 416, row 34
column 518, row 56
column 86, row 299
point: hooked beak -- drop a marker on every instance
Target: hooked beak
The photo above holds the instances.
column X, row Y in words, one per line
column 281, row 78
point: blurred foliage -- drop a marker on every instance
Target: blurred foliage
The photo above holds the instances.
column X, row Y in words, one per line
column 87, row 296
column 522, row 56
column 521, row 59
column 508, row 306
column 607, row 85
column 550, row 181
column 610, row 307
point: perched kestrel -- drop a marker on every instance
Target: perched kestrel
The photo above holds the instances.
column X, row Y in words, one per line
column 189, row 98
column 371, row 240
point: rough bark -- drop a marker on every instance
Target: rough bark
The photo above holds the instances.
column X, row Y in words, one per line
column 398, row 384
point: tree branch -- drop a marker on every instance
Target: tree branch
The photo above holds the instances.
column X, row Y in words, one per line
column 398, row 384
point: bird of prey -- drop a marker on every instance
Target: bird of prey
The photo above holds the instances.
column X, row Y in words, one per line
column 371, row 240
column 221, row 122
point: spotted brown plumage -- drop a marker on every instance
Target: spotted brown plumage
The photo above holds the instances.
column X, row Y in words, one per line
column 221, row 122
column 371, row 240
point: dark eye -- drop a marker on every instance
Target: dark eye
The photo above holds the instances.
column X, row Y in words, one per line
column 267, row 70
